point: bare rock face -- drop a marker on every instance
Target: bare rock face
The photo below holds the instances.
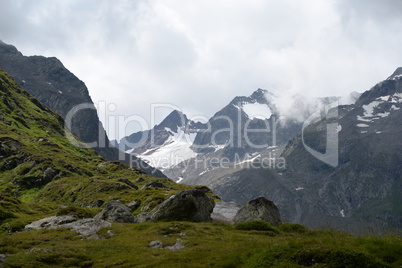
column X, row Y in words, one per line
column 153, row 184
column 225, row 212
column 51, row 222
column 191, row 205
column 87, row 227
column 115, row 211
column 259, row 209
column 84, row 227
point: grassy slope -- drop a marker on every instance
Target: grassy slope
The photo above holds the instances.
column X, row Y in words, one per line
column 33, row 141
column 206, row 245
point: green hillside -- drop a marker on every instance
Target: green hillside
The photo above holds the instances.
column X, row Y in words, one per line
column 42, row 174
column 41, row 170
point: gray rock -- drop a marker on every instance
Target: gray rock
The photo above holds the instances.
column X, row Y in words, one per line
column 133, row 205
column 51, row 222
column 153, row 184
column 3, row 258
column 87, row 227
column 140, row 180
column 129, row 183
column 156, row 244
column 49, row 174
column 192, row 205
column 115, row 211
column 143, row 217
column 176, row 246
column 259, row 209
column 225, row 211
column 84, row 227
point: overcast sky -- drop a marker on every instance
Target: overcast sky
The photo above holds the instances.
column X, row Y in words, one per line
column 198, row 55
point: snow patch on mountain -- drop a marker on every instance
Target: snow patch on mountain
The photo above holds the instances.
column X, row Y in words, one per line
column 395, row 77
column 369, row 113
column 369, row 108
column 342, row 212
column 362, row 125
column 176, row 149
column 255, row 110
column 249, row 159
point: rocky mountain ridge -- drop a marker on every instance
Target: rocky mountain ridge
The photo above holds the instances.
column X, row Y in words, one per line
column 52, row 84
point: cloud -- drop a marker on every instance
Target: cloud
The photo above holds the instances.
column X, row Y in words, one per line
column 199, row 55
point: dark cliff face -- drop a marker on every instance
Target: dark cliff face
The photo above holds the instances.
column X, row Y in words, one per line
column 55, row 86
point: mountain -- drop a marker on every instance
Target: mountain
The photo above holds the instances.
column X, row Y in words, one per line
column 167, row 144
column 52, row 84
column 246, row 125
column 248, row 128
column 362, row 191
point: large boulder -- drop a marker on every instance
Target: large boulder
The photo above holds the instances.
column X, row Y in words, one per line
column 115, row 211
column 84, row 227
column 51, row 222
column 190, row 205
column 225, row 211
column 259, row 209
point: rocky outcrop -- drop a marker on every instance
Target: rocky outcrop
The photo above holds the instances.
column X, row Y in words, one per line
column 115, row 211
column 87, row 227
column 133, row 205
column 158, row 244
column 191, row 205
column 51, row 222
column 84, row 227
column 259, row 209
column 153, row 184
column 128, row 182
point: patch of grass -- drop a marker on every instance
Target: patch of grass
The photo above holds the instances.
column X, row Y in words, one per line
column 256, row 226
column 205, row 245
column 4, row 215
column 293, row 228
column 77, row 211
